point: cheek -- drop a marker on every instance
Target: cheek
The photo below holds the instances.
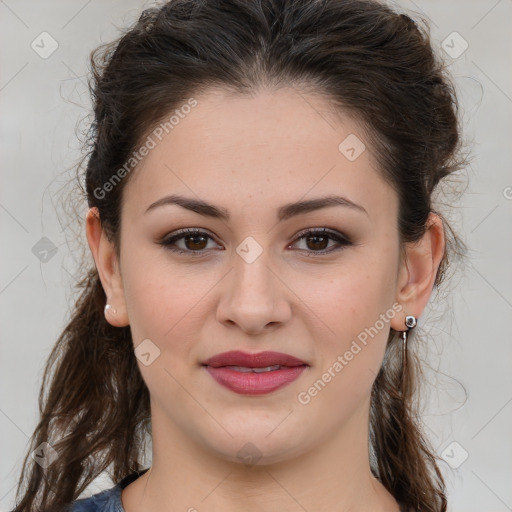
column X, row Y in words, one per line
column 166, row 301
column 159, row 305
column 162, row 307
column 355, row 302
column 354, row 297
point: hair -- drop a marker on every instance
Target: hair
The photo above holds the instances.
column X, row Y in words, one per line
column 367, row 59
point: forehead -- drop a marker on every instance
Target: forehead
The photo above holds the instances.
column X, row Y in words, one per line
column 258, row 151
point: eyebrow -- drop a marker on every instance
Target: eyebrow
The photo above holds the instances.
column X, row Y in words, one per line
column 283, row 213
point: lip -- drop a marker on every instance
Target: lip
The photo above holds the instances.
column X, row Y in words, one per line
column 258, row 360
column 251, row 383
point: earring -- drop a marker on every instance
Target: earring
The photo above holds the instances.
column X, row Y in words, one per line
column 108, row 307
column 410, row 323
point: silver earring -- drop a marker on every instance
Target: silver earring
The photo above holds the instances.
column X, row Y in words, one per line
column 108, row 307
column 410, row 323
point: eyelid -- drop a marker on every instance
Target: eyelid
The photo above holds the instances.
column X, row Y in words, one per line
column 326, row 230
column 181, row 233
column 342, row 240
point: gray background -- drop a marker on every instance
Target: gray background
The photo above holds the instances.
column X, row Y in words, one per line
column 44, row 105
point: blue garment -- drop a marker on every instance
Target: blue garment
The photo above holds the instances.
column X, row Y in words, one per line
column 108, row 500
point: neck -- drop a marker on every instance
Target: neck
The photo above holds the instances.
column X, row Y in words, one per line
column 333, row 476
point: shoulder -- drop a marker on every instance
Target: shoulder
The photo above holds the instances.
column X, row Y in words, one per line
column 108, row 500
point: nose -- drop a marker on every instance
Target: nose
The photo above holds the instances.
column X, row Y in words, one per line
column 254, row 297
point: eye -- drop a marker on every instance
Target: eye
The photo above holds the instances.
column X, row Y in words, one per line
column 195, row 241
column 318, row 238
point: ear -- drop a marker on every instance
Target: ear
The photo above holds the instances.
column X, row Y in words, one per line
column 108, row 269
column 418, row 271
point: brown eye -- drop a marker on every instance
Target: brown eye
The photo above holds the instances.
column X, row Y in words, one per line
column 317, row 241
column 194, row 242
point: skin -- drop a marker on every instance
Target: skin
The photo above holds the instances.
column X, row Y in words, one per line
column 250, row 155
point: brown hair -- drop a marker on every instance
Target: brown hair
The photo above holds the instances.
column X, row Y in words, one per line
column 369, row 61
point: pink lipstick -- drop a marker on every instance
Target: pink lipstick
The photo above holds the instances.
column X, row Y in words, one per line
column 254, row 374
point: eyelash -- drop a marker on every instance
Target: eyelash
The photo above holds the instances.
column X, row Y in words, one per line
column 325, row 232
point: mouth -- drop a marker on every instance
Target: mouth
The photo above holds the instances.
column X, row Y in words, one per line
column 254, row 374
column 260, row 360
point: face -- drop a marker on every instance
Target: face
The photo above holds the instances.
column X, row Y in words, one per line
column 254, row 281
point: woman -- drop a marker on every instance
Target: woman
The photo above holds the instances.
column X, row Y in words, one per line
column 260, row 188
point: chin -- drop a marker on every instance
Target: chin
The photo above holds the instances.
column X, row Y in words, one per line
column 253, row 446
